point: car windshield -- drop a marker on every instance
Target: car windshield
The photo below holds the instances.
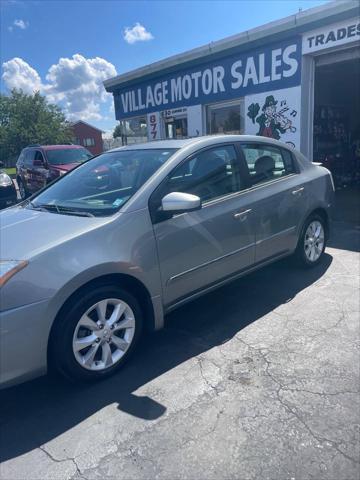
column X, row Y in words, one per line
column 68, row 155
column 102, row 186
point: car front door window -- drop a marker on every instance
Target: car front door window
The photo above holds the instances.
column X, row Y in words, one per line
column 39, row 159
column 209, row 174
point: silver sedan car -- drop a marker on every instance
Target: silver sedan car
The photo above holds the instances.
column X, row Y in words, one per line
column 97, row 259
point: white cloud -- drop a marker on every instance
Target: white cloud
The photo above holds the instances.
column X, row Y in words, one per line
column 18, row 74
column 77, row 82
column 19, row 23
column 137, row 33
column 74, row 83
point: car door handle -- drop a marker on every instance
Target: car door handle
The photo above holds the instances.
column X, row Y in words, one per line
column 242, row 214
column 298, row 190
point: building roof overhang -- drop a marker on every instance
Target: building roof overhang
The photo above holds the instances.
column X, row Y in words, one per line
column 299, row 23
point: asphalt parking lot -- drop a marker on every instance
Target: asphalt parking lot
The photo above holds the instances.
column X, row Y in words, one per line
column 259, row 380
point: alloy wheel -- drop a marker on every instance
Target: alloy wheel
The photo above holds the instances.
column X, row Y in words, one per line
column 314, row 241
column 103, row 334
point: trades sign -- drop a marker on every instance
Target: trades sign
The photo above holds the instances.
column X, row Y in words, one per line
column 335, row 35
column 275, row 67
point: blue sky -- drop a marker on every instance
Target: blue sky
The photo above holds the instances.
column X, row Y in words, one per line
column 67, row 48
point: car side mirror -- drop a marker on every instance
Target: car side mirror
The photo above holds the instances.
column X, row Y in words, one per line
column 178, row 202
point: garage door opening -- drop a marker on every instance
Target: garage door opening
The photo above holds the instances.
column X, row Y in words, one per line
column 337, row 118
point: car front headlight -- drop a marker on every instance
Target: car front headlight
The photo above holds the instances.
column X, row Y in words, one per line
column 5, row 180
column 8, row 268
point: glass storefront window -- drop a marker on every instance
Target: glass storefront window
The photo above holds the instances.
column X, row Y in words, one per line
column 134, row 130
column 225, row 117
column 176, row 128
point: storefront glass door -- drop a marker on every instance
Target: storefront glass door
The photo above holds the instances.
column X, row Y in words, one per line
column 176, row 128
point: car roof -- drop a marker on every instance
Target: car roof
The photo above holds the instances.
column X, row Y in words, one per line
column 158, row 144
column 60, row 147
column 202, row 141
column 54, row 147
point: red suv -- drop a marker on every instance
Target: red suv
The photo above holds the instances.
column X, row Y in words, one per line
column 38, row 165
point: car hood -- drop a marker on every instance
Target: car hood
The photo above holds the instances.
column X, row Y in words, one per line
column 65, row 167
column 25, row 233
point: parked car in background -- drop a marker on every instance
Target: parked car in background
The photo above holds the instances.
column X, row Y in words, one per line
column 104, row 253
column 39, row 165
column 8, row 194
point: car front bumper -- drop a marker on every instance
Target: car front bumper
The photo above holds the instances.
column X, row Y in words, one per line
column 8, row 202
column 24, row 333
column 8, row 196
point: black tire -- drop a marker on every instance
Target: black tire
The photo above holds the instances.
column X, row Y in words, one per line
column 22, row 190
column 61, row 355
column 300, row 255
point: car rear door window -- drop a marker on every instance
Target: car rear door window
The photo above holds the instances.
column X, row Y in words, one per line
column 29, row 158
column 209, row 174
column 266, row 162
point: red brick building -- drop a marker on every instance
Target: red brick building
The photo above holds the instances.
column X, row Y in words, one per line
column 88, row 136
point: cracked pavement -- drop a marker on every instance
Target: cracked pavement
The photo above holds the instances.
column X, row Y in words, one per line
column 258, row 380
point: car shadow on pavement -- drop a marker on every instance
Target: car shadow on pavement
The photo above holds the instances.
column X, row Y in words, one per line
column 38, row 411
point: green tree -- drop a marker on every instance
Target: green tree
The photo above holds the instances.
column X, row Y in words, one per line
column 27, row 119
column 117, row 131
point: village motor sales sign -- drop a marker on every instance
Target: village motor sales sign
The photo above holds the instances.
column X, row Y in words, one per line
column 342, row 33
column 271, row 68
